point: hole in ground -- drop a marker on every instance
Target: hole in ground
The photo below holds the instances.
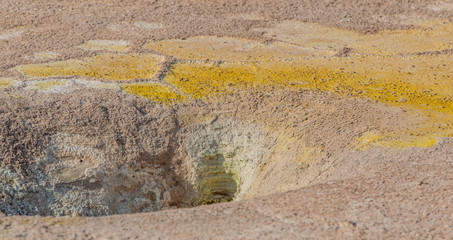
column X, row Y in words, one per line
column 212, row 162
column 223, row 156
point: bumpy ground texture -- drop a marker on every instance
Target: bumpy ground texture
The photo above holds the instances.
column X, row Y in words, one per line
column 165, row 119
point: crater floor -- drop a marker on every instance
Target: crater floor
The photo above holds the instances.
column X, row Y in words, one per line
column 226, row 119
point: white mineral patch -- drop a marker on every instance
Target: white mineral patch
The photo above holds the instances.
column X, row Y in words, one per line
column 114, row 27
column 247, row 16
column 54, row 85
column 97, row 84
column 45, row 55
column 148, row 25
column 110, row 45
column 10, row 33
column 401, row 18
column 441, row 6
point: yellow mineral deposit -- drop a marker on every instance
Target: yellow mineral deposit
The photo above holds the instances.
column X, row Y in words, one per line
column 198, row 80
column 6, row 82
column 341, row 77
column 379, row 68
column 429, row 36
column 154, row 92
column 108, row 45
column 346, row 76
column 114, row 67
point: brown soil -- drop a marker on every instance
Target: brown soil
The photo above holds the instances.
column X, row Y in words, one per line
column 60, row 26
column 346, row 193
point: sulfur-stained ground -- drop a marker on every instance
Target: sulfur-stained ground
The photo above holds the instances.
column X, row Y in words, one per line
column 349, row 104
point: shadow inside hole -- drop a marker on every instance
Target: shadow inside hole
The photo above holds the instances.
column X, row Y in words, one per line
column 215, row 182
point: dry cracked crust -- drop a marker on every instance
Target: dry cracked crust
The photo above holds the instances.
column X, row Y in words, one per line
column 347, row 193
column 377, row 193
column 63, row 25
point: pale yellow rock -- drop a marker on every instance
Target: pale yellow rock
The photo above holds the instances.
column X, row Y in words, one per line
column 117, row 67
column 148, row 25
column 48, row 85
column 109, row 45
column 6, row 82
column 46, row 55
column 230, row 49
column 428, row 36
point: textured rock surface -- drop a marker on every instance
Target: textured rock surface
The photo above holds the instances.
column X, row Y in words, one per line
column 317, row 119
column 92, row 156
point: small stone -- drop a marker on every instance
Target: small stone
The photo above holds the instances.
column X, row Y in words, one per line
column 74, row 213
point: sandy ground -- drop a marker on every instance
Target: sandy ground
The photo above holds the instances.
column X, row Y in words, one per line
column 352, row 102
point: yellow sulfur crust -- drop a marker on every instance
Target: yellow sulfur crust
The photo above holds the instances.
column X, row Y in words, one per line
column 379, row 67
column 105, row 66
column 154, row 92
